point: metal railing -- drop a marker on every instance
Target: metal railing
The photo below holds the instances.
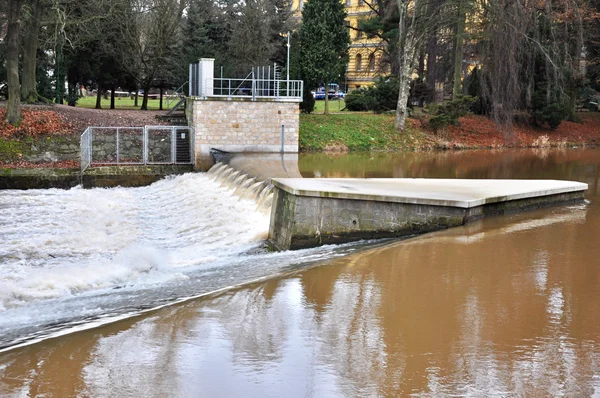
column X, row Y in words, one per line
column 256, row 88
column 261, row 82
column 173, row 99
column 136, row 146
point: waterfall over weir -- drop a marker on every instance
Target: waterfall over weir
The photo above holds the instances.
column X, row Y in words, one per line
column 244, row 186
column 78, row 258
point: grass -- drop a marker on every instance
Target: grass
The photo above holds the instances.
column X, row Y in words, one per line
column 334, row 106
column 121, row 103
column 356, row 132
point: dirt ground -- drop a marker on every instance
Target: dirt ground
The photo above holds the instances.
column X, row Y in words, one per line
column 64, row 119
column 81, row 118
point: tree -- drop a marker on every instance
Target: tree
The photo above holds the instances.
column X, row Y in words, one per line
column 150, row 31
column 13, row 110
column 29, row 91
column 415, row 24
column 324, row 42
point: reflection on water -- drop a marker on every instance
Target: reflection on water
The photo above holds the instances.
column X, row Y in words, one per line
column 505, row 306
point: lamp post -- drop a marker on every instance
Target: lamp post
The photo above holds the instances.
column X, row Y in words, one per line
column 287, row 85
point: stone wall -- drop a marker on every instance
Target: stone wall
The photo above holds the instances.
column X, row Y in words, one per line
column 242, row 125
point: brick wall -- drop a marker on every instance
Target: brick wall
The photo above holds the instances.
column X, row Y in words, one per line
column 241, row 125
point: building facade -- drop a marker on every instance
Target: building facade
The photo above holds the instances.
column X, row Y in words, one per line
column 365, row 62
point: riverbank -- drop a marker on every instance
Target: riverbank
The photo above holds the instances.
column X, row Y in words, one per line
column 48, row 136
column 370, row 132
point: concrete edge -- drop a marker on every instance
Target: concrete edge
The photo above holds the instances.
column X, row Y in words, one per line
column 575, row 187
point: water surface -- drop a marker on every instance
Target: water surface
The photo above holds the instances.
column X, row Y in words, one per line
column 505, row 306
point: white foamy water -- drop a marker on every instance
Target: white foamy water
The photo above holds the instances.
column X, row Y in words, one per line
column 71, row 259
column 57, row 243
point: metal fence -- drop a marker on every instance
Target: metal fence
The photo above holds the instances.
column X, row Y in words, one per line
column 260, row 82
column 102, row 146
column 256, row 88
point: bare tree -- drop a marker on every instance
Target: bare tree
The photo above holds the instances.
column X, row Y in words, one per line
column 416, row 22
column 150, row 34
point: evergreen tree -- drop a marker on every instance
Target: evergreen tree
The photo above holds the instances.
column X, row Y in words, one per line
column 324, row 43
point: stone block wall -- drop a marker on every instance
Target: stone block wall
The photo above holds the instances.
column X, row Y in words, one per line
column 242, row 125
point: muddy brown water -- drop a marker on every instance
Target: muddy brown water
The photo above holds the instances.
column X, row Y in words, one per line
column 505, row 306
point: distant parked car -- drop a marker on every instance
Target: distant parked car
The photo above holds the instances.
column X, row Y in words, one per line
column 319, row 95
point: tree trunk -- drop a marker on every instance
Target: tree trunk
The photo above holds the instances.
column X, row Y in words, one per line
column 135, row 99
column 28, row 87
column 432, row 77
column 404, row 92
column 326, row 109
column 145, row 99
column 458, row 51
column 13, row 110
column 112, row 96
column 161, row 98
column 99, row 98
column 406, row 59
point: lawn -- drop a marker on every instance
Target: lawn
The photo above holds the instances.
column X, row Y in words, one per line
column 356, row 132
column 122, row 103
column 335, row 105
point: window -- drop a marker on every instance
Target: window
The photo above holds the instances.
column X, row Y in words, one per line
column 301, row 5
column 358, row 62
column 372, row 62
column 358, row 32
column 348, row 3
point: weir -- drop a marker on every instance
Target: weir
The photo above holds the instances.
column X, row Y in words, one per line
column 313, row 212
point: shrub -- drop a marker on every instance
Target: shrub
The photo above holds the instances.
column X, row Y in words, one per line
column 359, row 100
column 420, row 93
column 381, row 97
column 548, row 109
column 308, row 101
column 447, row 113
column 384, row 94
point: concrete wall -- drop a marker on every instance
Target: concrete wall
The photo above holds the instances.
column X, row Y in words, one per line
column 241, row 125
column 299, row 222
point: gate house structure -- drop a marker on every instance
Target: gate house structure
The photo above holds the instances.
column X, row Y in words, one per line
column 258, row 113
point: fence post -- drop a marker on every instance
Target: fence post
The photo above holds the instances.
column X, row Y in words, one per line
column 145, row 144
column 118, row 155
column 90, row 143
column 173, row 139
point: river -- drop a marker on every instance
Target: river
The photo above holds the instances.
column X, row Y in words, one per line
column 505, row 306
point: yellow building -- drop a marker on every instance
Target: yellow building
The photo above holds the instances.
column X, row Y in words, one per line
column 365, row 52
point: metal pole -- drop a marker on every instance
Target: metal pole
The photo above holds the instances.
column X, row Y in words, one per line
column 190, row 78
column 282, row 138
column 118, row 157
column 145, row 145
column 91, row 142
column 253, row 86
column 287, row 84
column 173, row 139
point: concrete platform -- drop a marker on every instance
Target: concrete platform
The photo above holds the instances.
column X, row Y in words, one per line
column 312, row 212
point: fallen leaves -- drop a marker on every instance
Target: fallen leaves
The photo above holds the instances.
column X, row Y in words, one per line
column 35, row 122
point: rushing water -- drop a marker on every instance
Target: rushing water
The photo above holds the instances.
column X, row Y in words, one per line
column 505, row 306
column 71, row 259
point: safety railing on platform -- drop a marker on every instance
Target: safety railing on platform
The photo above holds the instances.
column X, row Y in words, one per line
column 105, row 146
column 260, row 82
column 255, row 88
